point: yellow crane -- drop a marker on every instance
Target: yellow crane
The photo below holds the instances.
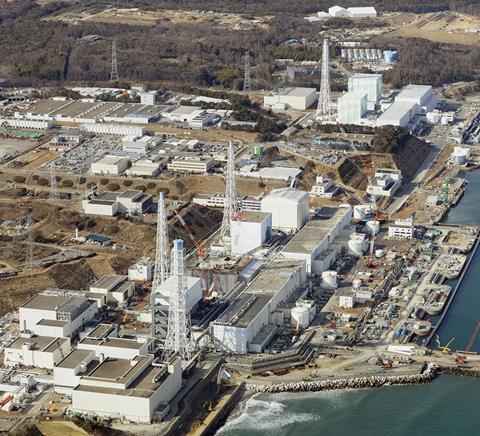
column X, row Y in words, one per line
column 444, row 348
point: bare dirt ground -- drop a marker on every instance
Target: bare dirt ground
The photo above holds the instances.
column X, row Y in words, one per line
column 136, row 16
column 446, row 28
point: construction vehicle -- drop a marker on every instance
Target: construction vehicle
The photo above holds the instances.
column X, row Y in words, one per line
column 461, row 357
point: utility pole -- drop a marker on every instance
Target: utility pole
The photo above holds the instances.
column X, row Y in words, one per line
column 53, row 194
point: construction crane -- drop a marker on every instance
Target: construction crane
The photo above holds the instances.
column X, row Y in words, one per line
column 462, row 357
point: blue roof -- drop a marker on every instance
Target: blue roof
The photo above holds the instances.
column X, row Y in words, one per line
column 97, row 238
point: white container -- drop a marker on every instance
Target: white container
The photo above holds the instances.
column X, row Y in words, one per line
column 8, row 407
column 373, row 227
column 379, row 253
column 357, row 284
column 300, row 316
column 329, row 279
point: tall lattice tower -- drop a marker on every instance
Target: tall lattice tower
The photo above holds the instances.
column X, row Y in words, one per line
column 230, row 209
column 53, row 194
column 247, row 81
column 114, row 72
column 324, row 108
column 178, row 338
column 161, row 253
column 162, row 264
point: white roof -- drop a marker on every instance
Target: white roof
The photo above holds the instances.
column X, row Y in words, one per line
column 291, row 194
column 109, row 159
column 397, row 110
column 296, row 91
column 185, row 110
column 413, row 92
column 279, row 173
column 335, row 9
column 363, row 10
column 366, row 76
column 353, row 96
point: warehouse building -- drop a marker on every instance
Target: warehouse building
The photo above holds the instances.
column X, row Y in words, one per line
column 289, row 208
column 132, row 202
column 352, row 106
column 385, row 183
column 399, row 113
column 36, row 351
column 146, row 167
column 324, row 187
column 56, row 313
column 197, row 165
column 422, row 95
column 247, row 325
column 249, row 231
column 114, row 289
column 139, row 145
column 246, row 203
column 314, row 242
column 136, row 390
column 113, row 129
column 290, row 98
column 142, row 270
column 355, row 12
column 109, row 164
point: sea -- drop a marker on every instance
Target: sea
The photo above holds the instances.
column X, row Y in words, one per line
column 448, row 406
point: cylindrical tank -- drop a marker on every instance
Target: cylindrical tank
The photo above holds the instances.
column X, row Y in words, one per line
column 356, row 284
column 356, row 246
column 329, row 279
column 444, row 121
column 8, row 407
column 300, row 317
column 373, row 226
column 379, row 252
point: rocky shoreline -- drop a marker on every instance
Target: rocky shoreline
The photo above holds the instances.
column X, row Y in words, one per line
column 430, row 372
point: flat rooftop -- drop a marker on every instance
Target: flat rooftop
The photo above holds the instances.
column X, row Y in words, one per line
column 52, row 322
column 397, row 110
column 107, row 282
column 244, row 309
column 274, row 276
column 101, row 331
column 413, row 91
column 128, row 344
column 38, row 343
column 253, row 217
column 45, row 302
column 45, row 107
column 296, row 91
column 75, row 358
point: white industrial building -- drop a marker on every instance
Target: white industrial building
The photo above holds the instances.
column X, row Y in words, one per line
column 247, row 324
column 289, row 208
column 303, row 313
column 136, row 390
column 190, row 164
column 147, row 97
column 139, row 145
column 399, row 113
column 355, row 12
column 146, row 167
column 314, row 242
column 369, row 84
column 460, row 156
column 36, row 351
column 249, row 231
column 323, row 188
column 110, row 164
column 142, row 270
column 346, row 300
column 113, row 129
column 132, row 202
column 56, row 313
column 385, row 183
column 271, row 173
column 16, row 123
column 351, row 107
column 194, row 292
column 245, row 203
column 401, row 229
column 363, row 212
column 112, row 289
column 290, row 98
column 422, row 95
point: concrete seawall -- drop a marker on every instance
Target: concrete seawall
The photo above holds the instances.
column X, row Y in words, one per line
column 429, row 374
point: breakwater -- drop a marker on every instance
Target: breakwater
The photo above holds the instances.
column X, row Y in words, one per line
column 430, row 372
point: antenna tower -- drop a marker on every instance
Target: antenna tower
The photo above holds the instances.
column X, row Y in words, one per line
column 324, row 100
column 247, row 81
column 178, row 338
column 230, row 209
column 114, row 73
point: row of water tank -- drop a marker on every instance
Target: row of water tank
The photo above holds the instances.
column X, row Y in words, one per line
column 370, row 54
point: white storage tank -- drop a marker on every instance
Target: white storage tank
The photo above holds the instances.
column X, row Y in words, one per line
column 8, row 407
column 373, row 226
column 356, row 284
column 300, row 317
column 357, row 244
column 329, row 279
column 379, row 253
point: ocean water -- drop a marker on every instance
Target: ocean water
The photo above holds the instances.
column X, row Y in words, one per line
column 448, row 406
